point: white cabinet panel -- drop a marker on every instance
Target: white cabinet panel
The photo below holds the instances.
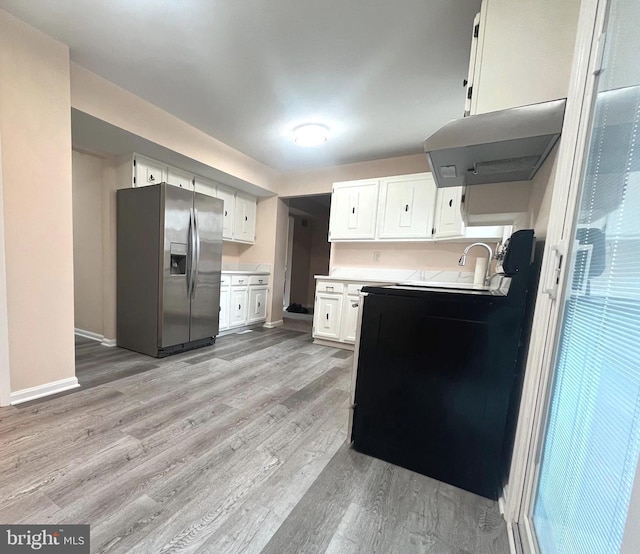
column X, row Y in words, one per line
column 228, row 211
column 204, row 186
column 225, row 294
column 328, row 316
column 350, row 319
column 406, row 207
column 148, row 172
column 353, row 210
column 238, row 308
column 179, row 178
column 448, row 219
column 257, row 304
column 245, row 218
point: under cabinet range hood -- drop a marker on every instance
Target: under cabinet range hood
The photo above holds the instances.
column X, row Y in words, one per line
column 508, row 145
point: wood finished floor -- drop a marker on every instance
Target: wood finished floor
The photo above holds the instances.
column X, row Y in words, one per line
column 239, row 447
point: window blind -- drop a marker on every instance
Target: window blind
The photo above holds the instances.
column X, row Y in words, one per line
column 592, row 440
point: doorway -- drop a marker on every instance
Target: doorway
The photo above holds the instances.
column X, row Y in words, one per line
column 308, row 251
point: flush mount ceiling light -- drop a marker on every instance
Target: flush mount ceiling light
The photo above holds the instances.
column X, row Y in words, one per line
column 310, row 134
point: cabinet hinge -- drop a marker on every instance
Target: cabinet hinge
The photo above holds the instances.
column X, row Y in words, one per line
column 433, row 230
column 134, row 180
column 469, row 92
column 462, row 198
column 134, row 162
column 476, row 30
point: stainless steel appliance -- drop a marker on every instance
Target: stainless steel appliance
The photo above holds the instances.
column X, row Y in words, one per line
column 169, row 259
column 496, row 147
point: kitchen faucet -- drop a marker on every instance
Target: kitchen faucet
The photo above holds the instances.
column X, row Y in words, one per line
column 463, row 258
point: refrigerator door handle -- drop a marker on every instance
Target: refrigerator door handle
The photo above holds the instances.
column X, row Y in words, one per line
column 191, row 250
column 196, row 235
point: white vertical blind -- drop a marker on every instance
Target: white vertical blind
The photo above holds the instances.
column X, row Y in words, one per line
column 592, row 441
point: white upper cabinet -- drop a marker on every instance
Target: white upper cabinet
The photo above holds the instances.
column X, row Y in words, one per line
column 448, row 221
column 179, row 178
column 204, row 186
column 228, row 211
column 406, row 207
column 239, row 211
column 148, row 172
column 523, row 53
column 244, row 228
column 353, row 210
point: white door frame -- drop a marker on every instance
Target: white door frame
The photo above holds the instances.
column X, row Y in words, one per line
column 539, row 374
column 5, row 376
column 286, row 298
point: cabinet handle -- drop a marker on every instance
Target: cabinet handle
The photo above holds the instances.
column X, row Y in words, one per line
column 450, row 203
column 355, row 305
column 225, row 213
column 258, row 304
column 327, row 315
column 246, row 218
column 152, row 178
column 329, row 288
column 406, row 207
column 353, row 210
column 239, row 306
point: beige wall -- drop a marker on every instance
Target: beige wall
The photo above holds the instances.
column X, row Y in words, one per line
column 319, row 181
column 87, row 242
column 35, row 125
column 100, row 98
column 272, row 218
column 403, row 255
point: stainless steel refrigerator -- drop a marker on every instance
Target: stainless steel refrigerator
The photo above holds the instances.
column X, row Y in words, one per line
column 169, row 251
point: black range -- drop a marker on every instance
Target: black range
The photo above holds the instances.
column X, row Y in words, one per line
column 439, row 374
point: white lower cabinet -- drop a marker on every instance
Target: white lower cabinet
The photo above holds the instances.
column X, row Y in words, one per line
column 238, row 308
column 350, row 318
column 243, row 299
column 336, row 311
column 328, row 316
column 257, row 304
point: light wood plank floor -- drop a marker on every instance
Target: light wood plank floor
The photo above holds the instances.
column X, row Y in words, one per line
column 239, row 447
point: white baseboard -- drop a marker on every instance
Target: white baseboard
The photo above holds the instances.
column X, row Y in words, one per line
column 88, row 334
column 95, row 336
column 273, row 324
column 47, row 389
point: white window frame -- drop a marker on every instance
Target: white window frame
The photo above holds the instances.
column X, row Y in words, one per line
column 519, row 495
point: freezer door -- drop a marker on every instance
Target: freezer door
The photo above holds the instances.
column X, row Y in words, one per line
column 205, row 294
column 177, row 212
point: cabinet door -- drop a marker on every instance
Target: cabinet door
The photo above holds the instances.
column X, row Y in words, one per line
column 238, row 308
column 245, row 218
column 407, row 204
column 204, row 186
column 257, row 304
column 179, row 178
column 354, row 208
column 225, row 294
column 448, row 221
column 228, row 196
column 328, row 316
column 350, row 318
column 148, row 172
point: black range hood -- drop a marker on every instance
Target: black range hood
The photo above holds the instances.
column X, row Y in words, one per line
column 495, row 147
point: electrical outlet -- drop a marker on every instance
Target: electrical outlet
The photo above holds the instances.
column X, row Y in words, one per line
column 376, row 256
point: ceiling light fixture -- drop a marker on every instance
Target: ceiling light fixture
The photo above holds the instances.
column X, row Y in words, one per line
column 310, row 134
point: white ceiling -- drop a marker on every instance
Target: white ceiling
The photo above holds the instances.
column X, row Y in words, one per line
column 381, row 74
